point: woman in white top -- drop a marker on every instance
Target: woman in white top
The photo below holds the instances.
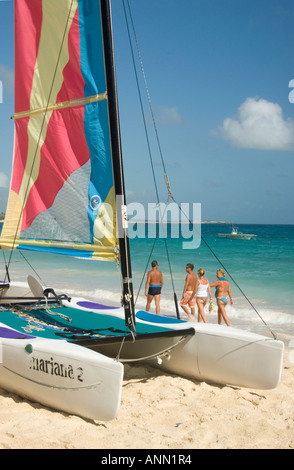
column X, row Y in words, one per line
column 202, row 292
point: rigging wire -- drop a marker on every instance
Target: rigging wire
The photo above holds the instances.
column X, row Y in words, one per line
column 146, row 132
column 32, row 268
column 170, row 196
column 39, row 138
column 145, row 271
column 6, row 269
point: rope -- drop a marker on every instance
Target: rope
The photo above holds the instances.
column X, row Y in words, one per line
column 7, row 276
column 146, row 87
column 170, row 196
column 152, row 356
column 33, row 269
column 39, row 138
column 229, row 274
column 147, row 264
column 144, row 121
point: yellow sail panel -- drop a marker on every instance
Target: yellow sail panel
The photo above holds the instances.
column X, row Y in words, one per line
column 61, row 195
column 53, row 55
column 78, row 250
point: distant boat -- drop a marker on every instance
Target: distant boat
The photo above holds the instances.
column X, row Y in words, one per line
column 235, row 234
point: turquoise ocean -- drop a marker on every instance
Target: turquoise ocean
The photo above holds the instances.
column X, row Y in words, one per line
column 261, row 273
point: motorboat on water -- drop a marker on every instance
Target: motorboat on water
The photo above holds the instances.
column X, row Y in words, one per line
column 235, row 234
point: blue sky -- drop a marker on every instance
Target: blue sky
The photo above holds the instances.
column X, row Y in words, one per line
column 218, row 74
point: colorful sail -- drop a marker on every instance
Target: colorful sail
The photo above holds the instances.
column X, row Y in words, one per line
column 62, row 194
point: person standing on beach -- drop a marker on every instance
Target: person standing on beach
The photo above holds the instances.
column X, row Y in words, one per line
column 223, row 295
column 188, row 297
column 153, row 287
column 202, row 292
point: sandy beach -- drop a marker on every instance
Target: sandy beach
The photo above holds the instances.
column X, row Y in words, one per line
column 161, row 411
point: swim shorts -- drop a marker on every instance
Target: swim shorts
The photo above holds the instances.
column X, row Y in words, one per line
column 187, row 300
column 154, row 289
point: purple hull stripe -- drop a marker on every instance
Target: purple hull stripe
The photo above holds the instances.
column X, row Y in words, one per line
column 12, row 334
column 87, row 304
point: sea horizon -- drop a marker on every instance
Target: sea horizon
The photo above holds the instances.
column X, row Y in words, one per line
column 258, row 268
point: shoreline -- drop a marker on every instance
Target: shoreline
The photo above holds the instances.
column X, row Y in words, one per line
column 241, row 314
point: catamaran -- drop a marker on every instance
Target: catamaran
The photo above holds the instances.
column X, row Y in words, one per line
column 67, row 196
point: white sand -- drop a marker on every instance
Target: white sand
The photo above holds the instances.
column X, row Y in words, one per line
column 161, row 411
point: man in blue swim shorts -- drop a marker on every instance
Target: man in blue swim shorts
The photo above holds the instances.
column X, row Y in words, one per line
column 153, row 287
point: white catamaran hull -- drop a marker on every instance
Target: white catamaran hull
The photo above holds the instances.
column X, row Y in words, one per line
column 214, row 353
column 74, row 136
column 61, row 375
column 229, row 356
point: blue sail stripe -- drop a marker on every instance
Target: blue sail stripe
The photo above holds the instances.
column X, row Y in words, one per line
column 59, row 251
column 96, row 123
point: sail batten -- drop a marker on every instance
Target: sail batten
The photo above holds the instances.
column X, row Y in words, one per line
column 66, row 104
column 62, row 189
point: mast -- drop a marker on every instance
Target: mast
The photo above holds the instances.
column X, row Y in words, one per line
column 125, row 261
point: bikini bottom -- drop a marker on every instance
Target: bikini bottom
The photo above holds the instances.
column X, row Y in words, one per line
column 225, row 299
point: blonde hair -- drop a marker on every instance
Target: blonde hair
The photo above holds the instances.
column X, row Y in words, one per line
column 201, row 272
column 222, row 272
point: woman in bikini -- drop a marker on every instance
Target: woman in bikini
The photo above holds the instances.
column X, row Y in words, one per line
column 223, row 295
column 202, row 292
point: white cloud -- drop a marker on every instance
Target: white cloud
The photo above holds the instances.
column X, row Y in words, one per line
column 259, row 124
column 169, row 116
column 7, row 78
column 4, row 182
